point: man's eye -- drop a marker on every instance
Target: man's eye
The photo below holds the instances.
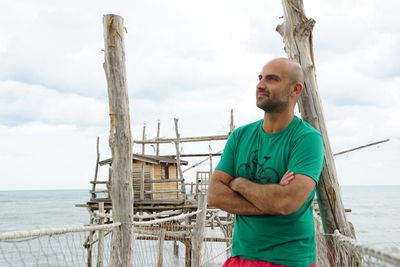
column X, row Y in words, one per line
column 259, row 77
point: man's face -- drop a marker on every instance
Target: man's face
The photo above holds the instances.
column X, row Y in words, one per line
column 273, row 88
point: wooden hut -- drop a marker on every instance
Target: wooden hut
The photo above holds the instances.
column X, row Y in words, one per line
column 155, row 178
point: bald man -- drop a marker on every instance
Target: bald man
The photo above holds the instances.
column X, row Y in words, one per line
column 267, row 176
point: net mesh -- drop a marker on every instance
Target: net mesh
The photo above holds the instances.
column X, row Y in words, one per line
column 53, row 247
column 339, row 250
column 170, row 241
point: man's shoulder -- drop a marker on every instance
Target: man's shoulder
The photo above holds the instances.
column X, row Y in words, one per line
column 304, row 128
column 248, row 127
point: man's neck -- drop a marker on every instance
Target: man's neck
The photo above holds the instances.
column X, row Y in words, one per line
column 275, row 122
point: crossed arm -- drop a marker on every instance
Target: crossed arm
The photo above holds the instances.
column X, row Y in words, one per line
column 244, row 197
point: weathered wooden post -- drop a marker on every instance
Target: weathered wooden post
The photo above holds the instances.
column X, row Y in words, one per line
column 158, row 136
column 198, row 231
column 100, row 244
column 296, row 31
column 120, row 141
column 178, row 158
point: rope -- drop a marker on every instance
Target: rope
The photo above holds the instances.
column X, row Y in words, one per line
column 378, row 253
column 55, row 231
column 173, row 218
column 216, row 256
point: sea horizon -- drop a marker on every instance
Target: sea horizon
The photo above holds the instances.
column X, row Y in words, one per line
column 374, row 210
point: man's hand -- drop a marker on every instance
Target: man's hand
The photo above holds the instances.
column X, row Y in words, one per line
column 287, row 178
column 237, row 182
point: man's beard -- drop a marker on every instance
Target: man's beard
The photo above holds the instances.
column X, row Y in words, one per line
column 271, row 105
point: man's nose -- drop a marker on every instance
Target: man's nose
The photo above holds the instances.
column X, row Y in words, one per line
column 261, row 84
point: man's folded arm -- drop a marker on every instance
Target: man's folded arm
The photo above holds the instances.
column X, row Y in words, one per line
column 222, row 197
column 275, row 199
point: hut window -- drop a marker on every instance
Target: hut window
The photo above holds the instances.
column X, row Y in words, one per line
column 164, row 171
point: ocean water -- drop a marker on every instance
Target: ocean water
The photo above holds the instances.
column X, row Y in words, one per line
column 36, row 209
column 375, row 211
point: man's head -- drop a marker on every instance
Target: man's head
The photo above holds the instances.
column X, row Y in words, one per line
column 280, row 84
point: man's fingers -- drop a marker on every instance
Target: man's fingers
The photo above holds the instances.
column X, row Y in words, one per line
column 287, row 178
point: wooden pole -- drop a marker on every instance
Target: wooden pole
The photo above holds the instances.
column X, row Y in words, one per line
column 141, row 197
column 160, row 248
column 142, row 181
column 158, row 136
column 231, row 125
column 296, row 31
column 144, row 138
column 96, row 171
column 100, row 245
column 211, row 163
column 198, row 231
column 360, row 147
column 178, row 158
column 120, row 141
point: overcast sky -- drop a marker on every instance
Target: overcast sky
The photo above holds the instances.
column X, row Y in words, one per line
column 192, row 60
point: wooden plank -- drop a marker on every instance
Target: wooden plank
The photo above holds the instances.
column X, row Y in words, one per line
column 163, row 180
column 120, row 141
column 164, row 191
column 98, row 182
column 99, row 191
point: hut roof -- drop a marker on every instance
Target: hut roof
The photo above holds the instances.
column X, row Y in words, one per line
column 150, row 159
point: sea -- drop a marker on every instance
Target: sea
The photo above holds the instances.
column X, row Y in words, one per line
column 375, row 211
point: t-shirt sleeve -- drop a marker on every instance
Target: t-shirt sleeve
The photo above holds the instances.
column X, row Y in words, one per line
column 307, row 156
column 227, row 161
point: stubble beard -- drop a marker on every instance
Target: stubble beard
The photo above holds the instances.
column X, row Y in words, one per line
column 272, row 105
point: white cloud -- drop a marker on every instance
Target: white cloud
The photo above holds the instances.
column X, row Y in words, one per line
column 191, row 60
column 24, row 103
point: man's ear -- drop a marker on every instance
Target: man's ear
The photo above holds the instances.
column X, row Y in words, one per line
column 297, row 89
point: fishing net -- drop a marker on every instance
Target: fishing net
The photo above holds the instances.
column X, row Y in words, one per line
column 54, row 246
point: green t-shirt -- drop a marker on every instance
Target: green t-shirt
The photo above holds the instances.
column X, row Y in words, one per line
column 264, row 158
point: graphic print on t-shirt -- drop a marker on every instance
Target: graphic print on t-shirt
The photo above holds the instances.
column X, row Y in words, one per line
column 259, row 171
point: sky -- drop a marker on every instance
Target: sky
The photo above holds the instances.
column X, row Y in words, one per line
column 192, row 60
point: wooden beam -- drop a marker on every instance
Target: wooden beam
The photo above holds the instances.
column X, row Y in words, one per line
column 196, row 155
column 361, row 147
column 120, row 141
column 182, row 140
